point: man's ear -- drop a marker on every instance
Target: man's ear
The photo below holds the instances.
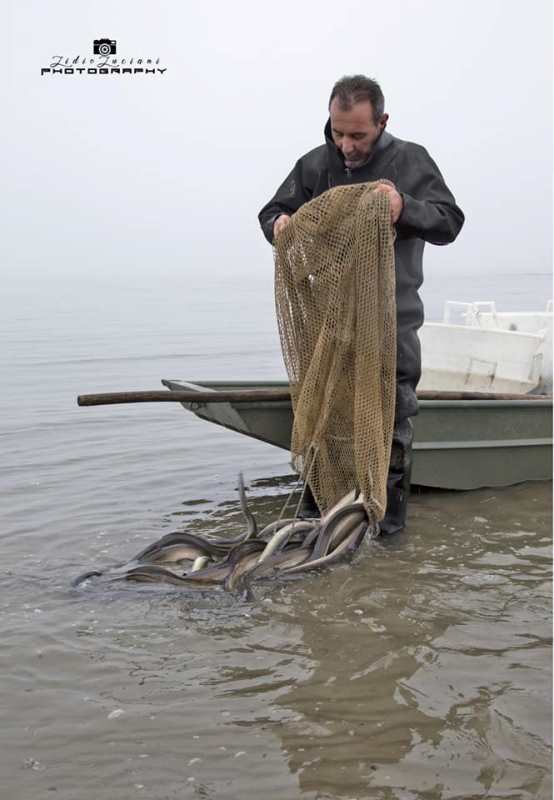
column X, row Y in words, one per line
column 383, row 121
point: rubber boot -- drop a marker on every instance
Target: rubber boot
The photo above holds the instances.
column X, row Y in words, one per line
column 398, row 480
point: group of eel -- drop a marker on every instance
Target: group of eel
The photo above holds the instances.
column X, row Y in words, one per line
column 288, row 546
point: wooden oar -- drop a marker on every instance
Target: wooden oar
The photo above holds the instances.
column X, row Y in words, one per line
column 265, row 395
column 163, row 396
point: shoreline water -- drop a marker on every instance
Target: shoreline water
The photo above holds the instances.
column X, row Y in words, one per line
column 423, row 670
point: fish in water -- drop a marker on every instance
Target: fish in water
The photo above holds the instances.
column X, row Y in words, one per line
column 151, row 573
column 172, row 548
column 179, row 546
column 284, row 547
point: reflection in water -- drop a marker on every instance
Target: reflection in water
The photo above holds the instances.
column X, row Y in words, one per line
column 420, row 671
column 428, row 662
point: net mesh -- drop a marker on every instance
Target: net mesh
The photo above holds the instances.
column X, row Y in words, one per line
column 335, row 301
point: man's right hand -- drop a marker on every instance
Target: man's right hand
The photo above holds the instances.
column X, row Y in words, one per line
column 280, row 223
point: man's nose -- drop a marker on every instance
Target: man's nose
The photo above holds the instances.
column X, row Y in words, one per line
column 347, row 145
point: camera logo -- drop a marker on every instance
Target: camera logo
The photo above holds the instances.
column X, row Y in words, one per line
column 104, row 47
column 104, row 61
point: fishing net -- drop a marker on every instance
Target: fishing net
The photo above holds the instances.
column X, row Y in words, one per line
column 335, row 300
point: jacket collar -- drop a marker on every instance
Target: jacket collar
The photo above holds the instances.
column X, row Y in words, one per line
column 336, row 159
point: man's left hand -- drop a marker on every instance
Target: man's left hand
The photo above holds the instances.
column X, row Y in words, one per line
column 396, row 202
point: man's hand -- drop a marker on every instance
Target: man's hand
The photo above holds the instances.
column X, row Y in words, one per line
column 396, row 203
column 280, row 223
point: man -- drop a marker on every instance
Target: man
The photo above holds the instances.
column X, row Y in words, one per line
column 358, row 148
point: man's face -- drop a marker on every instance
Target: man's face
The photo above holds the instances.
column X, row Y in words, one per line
column 355, row 132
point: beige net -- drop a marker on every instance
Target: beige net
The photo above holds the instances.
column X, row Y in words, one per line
column 334, row 292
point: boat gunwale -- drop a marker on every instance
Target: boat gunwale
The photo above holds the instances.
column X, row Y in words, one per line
column 534, row 400
column 438, row 463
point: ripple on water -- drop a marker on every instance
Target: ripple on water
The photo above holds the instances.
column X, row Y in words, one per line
column 421, row 670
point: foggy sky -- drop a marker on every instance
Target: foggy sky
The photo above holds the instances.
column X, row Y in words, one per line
column 142, row 175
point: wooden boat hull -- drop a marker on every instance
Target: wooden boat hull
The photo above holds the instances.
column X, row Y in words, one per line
column 458, row 444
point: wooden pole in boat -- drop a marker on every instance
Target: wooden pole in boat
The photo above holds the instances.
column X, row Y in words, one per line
column 162, row 396
column 265, row 395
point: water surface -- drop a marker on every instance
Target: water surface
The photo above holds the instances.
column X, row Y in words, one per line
column 422, row 670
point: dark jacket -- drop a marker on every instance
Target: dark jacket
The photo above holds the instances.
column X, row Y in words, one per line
column 430, row 214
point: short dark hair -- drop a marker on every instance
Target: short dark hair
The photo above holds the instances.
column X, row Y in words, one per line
column 356, row 89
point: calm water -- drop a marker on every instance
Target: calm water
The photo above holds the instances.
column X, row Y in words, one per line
column 423, row 670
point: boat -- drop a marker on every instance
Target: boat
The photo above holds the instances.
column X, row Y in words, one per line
column 458, row 443
column 484, row 314
column 477, row 348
